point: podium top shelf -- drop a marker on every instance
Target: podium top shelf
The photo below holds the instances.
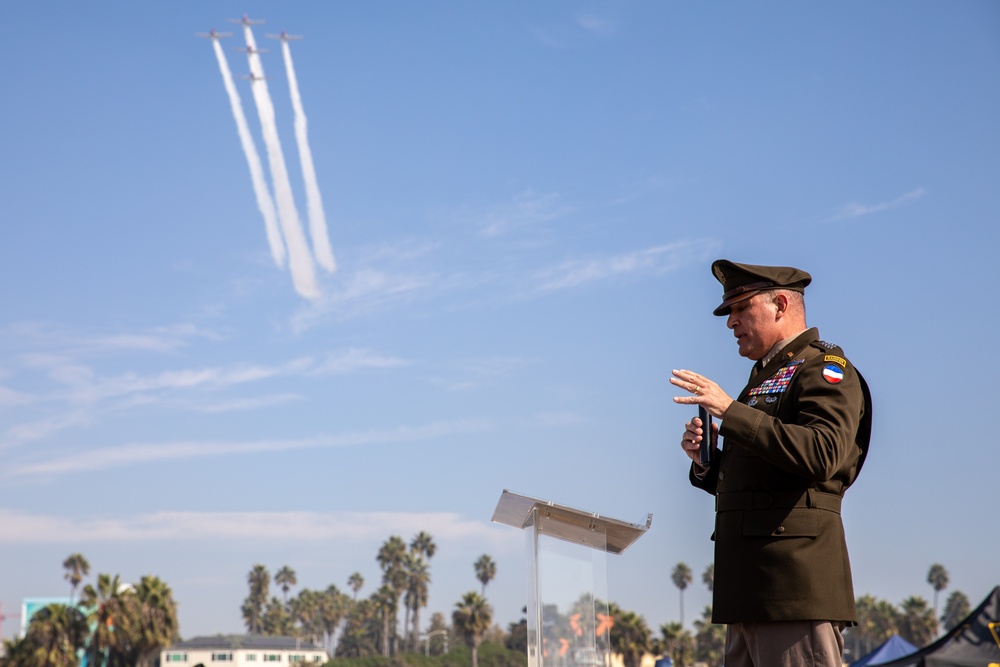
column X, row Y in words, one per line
column 568, row 523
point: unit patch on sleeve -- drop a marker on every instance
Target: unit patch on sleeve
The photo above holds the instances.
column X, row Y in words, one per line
column 778, row 382
column 833, row 373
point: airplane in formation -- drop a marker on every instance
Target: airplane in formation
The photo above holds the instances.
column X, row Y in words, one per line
column 284, row 36
column 246, row 20
column 213, row 34
column 252, row 77
column 249, row 50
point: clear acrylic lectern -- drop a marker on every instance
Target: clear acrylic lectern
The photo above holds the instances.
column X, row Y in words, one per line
column 567, row 610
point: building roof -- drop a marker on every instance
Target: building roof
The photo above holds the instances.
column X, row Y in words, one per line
column 236, row 642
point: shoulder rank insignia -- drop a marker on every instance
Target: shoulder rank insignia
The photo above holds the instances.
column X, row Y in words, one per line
column 828, row 346
column 777, row 383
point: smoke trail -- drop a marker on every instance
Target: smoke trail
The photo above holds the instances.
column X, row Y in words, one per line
column 264, row 201
column 300, row 259
column 317, row 218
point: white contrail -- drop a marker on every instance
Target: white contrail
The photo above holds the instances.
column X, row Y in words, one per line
column 317, row 218
column 264, row 201
column 300, row 259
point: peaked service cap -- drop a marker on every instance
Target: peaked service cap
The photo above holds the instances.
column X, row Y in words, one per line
column 742, row 281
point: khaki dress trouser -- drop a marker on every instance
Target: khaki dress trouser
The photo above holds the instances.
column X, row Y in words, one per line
column 784, row 644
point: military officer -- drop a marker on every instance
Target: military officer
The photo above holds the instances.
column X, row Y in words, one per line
column 792, row 442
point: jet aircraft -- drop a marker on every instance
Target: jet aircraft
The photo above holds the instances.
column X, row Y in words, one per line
column 252, row 77
column 284, row 36
column 213, row 34
column 249, row 50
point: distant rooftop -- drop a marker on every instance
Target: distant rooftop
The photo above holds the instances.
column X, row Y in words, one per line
column 247, row 642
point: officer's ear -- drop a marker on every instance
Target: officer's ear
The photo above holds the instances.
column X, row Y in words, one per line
column 780, row 302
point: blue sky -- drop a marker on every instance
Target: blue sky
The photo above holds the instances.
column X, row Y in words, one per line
column 523, row 201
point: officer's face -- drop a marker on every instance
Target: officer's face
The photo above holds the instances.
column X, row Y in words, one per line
column 754, row 323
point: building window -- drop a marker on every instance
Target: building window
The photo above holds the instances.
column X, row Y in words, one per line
column 272, row 657
column 251, row 657
column 177, row 657
column 222, row 657
column 296, row 658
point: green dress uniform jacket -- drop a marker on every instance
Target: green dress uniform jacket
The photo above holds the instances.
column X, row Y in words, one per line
column 792, row 442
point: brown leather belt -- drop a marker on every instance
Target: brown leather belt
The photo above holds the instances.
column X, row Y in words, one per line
column 768, row 500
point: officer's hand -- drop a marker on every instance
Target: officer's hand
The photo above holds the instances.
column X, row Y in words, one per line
column 704, row 392
column 693, row 435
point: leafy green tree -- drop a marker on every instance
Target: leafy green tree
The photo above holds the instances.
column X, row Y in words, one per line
column 937, row 577
column 77, row 568
column 57, row 632
column 956, row 608
column 677, row 643
column 681, row 576
column 472, row 617
column 710, row 639
column 629, row 635
column 708, row 577
column 304, row 610
column 917, row 622
column 285, row 578
column 437, row 635
column 486, row 571
column 259, row 582
column 877, row 621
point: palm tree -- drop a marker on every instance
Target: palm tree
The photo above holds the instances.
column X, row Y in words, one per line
column 333, row 606
column 57, row 632
column 677, row 642
column 422, row 545
column 417, row 586
column 486, row 570
column 681, row 576
column 391, row 558
column 77, row 568
column 18, row 652
column 709, row 639
column 472, row 617
column 285, row 577
column 384, row 602
column 937, row 577
column 956, row 608
column 158, row 626
column 708, row 577
column 259, row 581
column 917, row 623
column 111, row 615
column 361, row 630
column 275, row 621
column 356, row 583
column 629, row 636
column 306, row 615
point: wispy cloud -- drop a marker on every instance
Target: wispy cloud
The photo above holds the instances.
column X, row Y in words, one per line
column 139, row 453
column 656, row 260
column 349, row 361
column 479, row 373
column 595, row 24
column 526, row 209
column 854, row 210
column 24, row 528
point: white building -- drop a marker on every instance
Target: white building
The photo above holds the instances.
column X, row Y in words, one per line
column 243, row 651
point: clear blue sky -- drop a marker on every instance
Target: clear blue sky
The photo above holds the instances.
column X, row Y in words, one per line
column 523, row 200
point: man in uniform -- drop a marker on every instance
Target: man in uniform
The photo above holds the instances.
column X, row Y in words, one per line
column 792, row 442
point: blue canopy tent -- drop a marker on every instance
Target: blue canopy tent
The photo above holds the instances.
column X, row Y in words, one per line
column 892, row 648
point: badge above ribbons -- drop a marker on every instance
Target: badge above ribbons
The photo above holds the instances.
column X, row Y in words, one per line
column 777, row 383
